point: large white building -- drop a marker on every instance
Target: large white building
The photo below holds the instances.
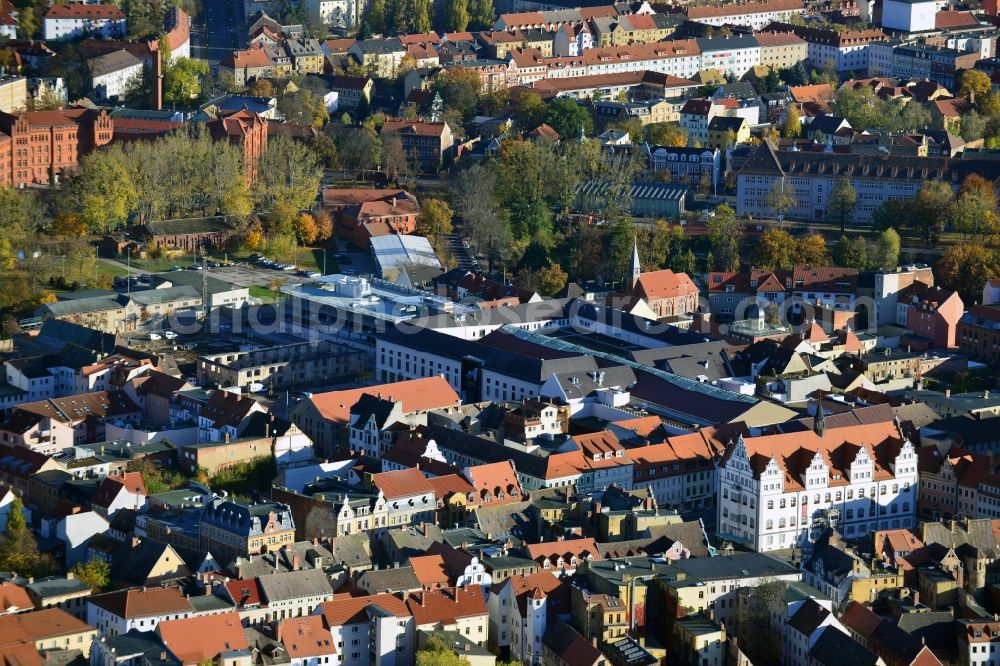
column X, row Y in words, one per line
column 853, row 471
column 756, row 14
column 909, row 15
column 810, row 177
column 111, row 74
column 79, row 20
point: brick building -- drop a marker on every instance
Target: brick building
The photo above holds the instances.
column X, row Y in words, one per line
column 37, row 145
column 978, row 333
column 248, row 129
column 423, row 142
column 363, row 213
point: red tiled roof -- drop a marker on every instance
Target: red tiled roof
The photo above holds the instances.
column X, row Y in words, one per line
column 417, row 395
column 430, row 571
column 446, row 606
column 402, row 483
column 197, row 639
column 493, row 479
column 305, row 637
column 136, row 603
column 13, row 596
column 345, row 609
column 81, row 11
column 664, row 284
column 418, row 127
column 552, row 550
column 739, row 8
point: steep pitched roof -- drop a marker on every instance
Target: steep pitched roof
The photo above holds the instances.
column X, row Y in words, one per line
column 194, row 640
column 446, row 606
column 417, row 395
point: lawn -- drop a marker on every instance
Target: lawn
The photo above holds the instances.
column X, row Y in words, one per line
column 105, row 268
column 263, row 293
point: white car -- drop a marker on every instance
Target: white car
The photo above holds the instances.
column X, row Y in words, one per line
column 169, row 335
column 155, row 336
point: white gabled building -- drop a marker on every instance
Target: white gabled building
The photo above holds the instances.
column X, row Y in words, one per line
column 83, row 20
column 853, row 471
column 754, row 14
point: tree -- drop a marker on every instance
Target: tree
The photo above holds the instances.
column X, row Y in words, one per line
column 394, row 162
column 361, row 149
column 974, row 85
column 95, row 574
column 305, row 228
column 989, row 105
column 181, row 80
column 792, row 128
column 326, row 149
column 529, row 111
column 842, row 200
column 966, row 268
column 260, row 88
column 891, row 213
column 776, row 249
column 930, row 209
column 974, row 209
column 811, row 250
column 18, row 547
column 886, row 250
column 780, row 200
column 457, row 12
column 459, row 88
column 568, row 118
column 105, row 189
column 481, row 14
column 437, row 652
column 435, row 218
column 420, row 16
column 725, row 232
column 665, row 134
column 851, row 254
column 288, row 179
column 972, row 126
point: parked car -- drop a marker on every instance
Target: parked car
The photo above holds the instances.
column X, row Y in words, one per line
column 169, row 335
column 195, row 267
column 174, row 269
column 155, row 336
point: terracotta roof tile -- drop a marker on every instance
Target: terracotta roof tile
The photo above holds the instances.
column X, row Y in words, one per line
column 305, row 637
column 417, row 395
column 446, row 606
column 197, row 639
column 402, row 483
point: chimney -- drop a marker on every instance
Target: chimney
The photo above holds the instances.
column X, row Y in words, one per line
column 226, row 438
column 296, row 563
column 916, row 597
column 267, row 430
column 158, row 80
column 393, row 200
column 947, row 393
column 135, row 542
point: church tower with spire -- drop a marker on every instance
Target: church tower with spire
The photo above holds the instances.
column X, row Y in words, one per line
column 634, row 270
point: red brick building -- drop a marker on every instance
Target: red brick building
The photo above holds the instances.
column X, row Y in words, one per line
column 979, row 333
column 362, row 213
column 932, row 315
column 37, row 145
column 247, row 129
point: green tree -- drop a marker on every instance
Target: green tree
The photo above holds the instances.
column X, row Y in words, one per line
column 974, row 210
column 182, row 81
column 420, row 20
column 568, row 118
column 974, row 84
column 891, row 213
column 435, row 218
column 288, row 180
column 725, row 232
column 459, row 88
column 95, row 574
column 19, row 548
column 394, row 162
column 842, row 200
column 930, row 210
column 457, row 13
column 481, row 14
column 776, row 250
column 792, row 128
column 360, row 149
column 886, row 250
column 966, row 268
column 437, row 652
column 529, row 111
column 780, row 200
column 105, row 189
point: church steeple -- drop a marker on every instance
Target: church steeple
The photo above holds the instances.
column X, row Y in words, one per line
column 819, row 422
column 634, row 269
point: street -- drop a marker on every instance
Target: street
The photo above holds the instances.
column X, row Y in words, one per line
column 219, row 31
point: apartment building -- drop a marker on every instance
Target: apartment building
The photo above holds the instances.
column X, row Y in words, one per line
column 777, row 490
column 81, row 20
column 753, row 14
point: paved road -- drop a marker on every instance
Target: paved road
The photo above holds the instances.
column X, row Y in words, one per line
column 218, row 31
